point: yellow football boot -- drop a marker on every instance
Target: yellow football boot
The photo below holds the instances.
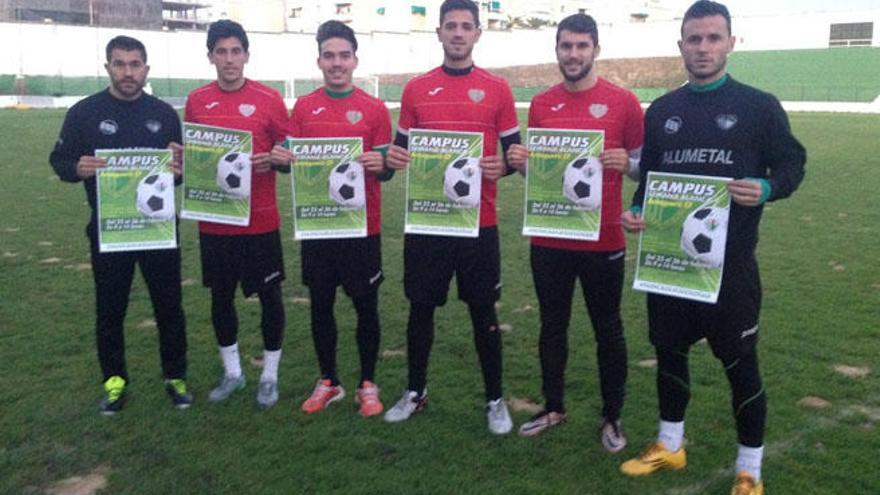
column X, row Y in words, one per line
column 653, row 458
column 744, row 484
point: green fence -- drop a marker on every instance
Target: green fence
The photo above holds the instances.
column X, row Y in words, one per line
column 79, row 86
column 831, row 74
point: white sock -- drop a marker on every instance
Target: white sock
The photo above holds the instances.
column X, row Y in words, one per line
column 671, row 434
column 270, row 365
column 231, row 361
column 748, row 459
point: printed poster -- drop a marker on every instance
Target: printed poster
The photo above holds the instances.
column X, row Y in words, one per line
column 564, row 184
column 217, row 174
column 329, row 189
column 444, row 181
column 681, row 250
column 135, row 201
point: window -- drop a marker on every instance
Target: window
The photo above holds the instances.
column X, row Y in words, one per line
column 851, row 34
column 343, row 8
column 296, row 12
column 419, row 10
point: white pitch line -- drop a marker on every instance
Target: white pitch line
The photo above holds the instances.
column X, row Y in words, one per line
column 777, row 449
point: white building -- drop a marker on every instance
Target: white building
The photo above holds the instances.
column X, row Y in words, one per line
column 553, row 11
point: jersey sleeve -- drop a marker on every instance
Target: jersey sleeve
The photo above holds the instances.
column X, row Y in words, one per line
column 407, row 117
column 505, row 120
column 381, row 131
column 278, row 119
column 634, row 132
column 188, row 114
column 782, row 153
column 175, row 134
column 534, row 113
column 69, row 147
column 294, row 124
column 650, row 157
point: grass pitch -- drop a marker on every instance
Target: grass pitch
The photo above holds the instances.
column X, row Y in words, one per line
column 821, row 290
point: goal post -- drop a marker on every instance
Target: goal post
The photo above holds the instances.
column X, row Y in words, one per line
column 296, row 87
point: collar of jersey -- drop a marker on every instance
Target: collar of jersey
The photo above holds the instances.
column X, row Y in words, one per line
column 337, row 95
column 457, row 72
column 711, row 86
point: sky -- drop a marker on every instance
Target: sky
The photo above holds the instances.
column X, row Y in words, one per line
column 758, row 7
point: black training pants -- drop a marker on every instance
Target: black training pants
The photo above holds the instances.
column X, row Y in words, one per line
column 113, row 273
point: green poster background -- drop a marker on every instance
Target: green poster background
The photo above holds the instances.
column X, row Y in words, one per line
column 202, row 197
column 315, row 214
column 121, row 226
column 547, row 212
column 663, row 267
column 428, row 210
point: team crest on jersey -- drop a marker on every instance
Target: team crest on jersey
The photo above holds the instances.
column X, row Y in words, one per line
column 354, row 116
column 476, row 95
column 247, row 109
column 108, row 127
column 673, row 124
column 153, row 126
column 725, row 122
column 598, row 110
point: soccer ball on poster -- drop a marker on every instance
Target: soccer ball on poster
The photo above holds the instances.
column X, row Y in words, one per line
column 704, row 234
column 347, row 184
column 234, row 174
column 155, row 196
column 582, row 183
column 462, row 182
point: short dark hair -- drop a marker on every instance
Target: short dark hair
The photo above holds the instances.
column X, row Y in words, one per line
column 336, row 29
column 226, row 29
column 579, row 23
column 469, row 5
column 706, row 8
column 128, row 44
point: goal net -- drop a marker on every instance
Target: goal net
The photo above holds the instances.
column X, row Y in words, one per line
column 294, row 88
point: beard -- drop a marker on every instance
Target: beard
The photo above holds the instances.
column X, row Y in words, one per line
column 128, row 88
column 577, row 76
column 455, row 57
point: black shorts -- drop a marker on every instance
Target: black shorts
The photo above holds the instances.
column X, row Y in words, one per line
column 554, row 272
column 355, row 264
column 730, row 325
column 254, row 260
column 430, row 261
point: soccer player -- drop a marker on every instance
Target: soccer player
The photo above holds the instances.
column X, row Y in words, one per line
column 248, row 255
column 715, row 115
column 123, row 116
column 585, row 101
column 340, row 109
column 457, row 97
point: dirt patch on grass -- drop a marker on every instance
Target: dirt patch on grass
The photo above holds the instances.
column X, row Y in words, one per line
column 852, row 371
column 88, row 484
column 525, row 405
column 814, row 402
column 148, row 323
column 390, row 353
column 648, row 363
